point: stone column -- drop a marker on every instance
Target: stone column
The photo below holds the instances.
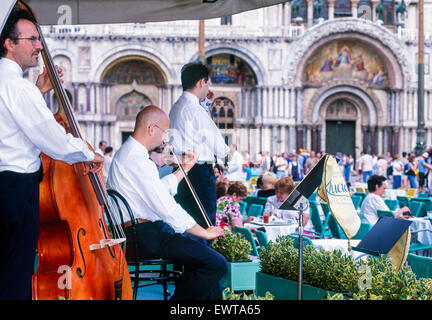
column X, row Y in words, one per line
column 331, row 9
column 395, row 147
column 318, row 138
column 365, row 138
column 299, row 139
column 310, row 13
column 372, row 140
column 374, row 4
column 354, row 7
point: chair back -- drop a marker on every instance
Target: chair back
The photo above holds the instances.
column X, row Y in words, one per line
column 361, row 194
column 404, row 201
column 421, row 266
column 315, row 217
column 255, row 210
column 427, row 205
column 325, row 209
column 415, row 208
column 122, row 210
column 247, row 234
column 306, row 241
column 385, row 213
column 357, row 200
column 391, row 204
column 423, row 195
column 262, row 238
column 242, row 207
column 335, row 229
column 364, row 228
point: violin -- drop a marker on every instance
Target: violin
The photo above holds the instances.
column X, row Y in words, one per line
column 78, row 256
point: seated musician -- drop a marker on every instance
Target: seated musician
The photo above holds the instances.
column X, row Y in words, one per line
column 160, row 220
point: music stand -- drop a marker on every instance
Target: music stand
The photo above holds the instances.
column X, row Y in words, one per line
column 383, row 236
column 298, row 200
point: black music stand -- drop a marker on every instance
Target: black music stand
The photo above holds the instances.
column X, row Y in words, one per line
column 383, row 236
column 298, row 200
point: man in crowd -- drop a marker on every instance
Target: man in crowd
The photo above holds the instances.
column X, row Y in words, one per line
column 160, row 219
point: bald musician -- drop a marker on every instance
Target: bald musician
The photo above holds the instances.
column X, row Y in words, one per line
column 161, row 220
column 27, row 128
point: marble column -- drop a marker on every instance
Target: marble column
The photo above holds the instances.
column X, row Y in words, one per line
column 310, row 13
column 374, row 4
column 331, row 9
column 354, row 7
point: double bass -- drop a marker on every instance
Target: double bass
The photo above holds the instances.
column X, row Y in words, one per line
column 78, row 256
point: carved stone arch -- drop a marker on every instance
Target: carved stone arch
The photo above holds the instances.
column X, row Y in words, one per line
column 250, row 58
column 373, row 105
column 121, row 52
column 367, row 32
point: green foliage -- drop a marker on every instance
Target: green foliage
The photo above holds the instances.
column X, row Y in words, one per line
column 227, row 294
column 334, row 271
column 234, row 247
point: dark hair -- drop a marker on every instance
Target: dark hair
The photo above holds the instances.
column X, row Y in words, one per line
column 193, row 72
column 108, row 149
column 10, row 31
column 221, row 189
column 375, row 181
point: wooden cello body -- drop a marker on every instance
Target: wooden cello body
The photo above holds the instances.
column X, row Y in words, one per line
column 77, row 257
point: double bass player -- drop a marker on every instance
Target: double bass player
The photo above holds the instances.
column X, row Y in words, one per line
column 27, row 128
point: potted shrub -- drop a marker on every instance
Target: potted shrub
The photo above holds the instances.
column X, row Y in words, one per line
column 241, row 270
column 332, row 275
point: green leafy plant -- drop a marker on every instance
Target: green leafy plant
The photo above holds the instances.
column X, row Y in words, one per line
column 234, row 247
column 334, row 271
column 227, row 294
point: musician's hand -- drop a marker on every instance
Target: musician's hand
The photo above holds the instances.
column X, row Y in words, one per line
column 189, row 160
column 43, row 81
column 213, row 233
column 95, row 165
column 210, row 95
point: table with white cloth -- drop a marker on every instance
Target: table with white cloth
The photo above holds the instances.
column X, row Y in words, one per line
column 337, row 244
column 393, row 193
column 425, row 235
column 273, row 230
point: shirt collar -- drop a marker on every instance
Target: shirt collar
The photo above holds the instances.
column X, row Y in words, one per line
column 192, row 97
column 12, row 66
column 139, row 146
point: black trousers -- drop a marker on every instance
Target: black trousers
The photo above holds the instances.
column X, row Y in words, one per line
column 203, row 181
column 203, row 266
column 19, row 228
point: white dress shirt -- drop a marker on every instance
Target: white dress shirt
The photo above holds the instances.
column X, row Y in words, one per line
column 28, row 127
column 369, row 208
column 235, row 167
column 192, row 128
column 136, row 178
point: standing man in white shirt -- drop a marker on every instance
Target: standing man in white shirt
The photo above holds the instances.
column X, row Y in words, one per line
column 235, row 164
column 160, row 219
column 366, row 165
column 27, row 128
column 193, row 129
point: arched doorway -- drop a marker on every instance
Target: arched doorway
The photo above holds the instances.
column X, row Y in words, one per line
column 341, row 116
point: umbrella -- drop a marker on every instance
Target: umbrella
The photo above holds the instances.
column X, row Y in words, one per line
column 51, row 12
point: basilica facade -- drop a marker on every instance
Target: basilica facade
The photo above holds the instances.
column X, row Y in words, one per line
column 323, row 75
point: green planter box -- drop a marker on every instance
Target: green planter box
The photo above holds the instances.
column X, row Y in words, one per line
column 283, row 289
column 241, row 275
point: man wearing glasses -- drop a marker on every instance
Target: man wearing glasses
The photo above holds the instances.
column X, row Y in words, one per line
column 27, row 128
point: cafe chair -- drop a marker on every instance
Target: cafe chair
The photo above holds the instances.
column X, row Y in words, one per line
column 411, row 193
column 255, row 210
column 247, row 234
column 404, row 201
column 357, row 200
column 421, row 266
column 391, row 204
column 306, row 241
column 385, row 213
column 242, row 205
column 145, row 271
column 361, row 194
column 319, row 227
column 261, row 237
column 416, row 208
column 364, row 228
column 427, row 205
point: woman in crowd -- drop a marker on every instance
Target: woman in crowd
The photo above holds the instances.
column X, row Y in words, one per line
column 268, row 188
column 228, row 212
column 283, row 189
column 411, row 172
